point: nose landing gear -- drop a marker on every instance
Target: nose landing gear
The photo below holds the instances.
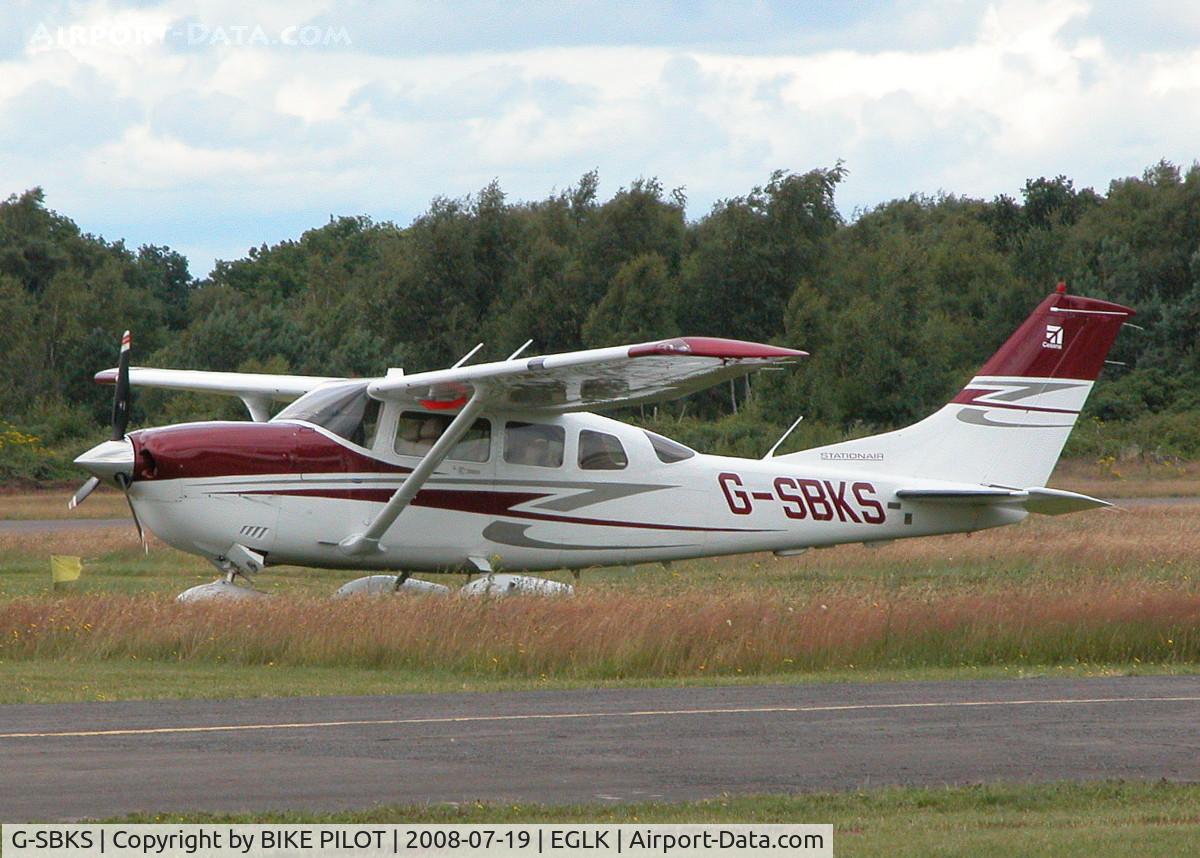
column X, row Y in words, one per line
column 237, row 560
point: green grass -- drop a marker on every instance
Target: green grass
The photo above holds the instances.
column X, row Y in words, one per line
column 1110, row 818
column 68, row 681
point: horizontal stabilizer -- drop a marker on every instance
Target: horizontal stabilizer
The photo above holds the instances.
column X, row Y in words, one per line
column 1058, row 502
column 1040, row 499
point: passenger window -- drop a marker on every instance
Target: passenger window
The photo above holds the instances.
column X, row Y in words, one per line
column 417, row 431
column 536, row 444
column 599, row 451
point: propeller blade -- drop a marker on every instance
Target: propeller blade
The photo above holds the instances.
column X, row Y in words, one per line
column 120, row 412
column 84, row 490
column 124, row 481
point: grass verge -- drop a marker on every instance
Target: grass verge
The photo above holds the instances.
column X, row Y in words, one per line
column 607, row 635
column 76, row 681
column 51, row 503
column 1109, row 477
column 1062, row 819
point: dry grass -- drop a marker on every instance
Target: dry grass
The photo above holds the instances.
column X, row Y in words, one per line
column 605, row 635
column 1109, row 478
column 52, row 503
column 1104, row 587
column 92, row 542
column 1093, row 541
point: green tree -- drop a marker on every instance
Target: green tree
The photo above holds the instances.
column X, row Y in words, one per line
column 640, row 305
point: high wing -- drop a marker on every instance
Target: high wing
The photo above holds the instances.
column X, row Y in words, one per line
column 257, row 390
column 587, row 380
column 572, row 381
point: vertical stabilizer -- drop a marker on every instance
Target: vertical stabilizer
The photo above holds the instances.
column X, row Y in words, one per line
column 1007, row 427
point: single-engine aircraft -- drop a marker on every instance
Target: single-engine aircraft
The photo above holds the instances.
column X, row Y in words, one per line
column 502, row 464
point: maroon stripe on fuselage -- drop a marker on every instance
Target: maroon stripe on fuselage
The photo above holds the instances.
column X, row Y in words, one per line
column 485, row 503
column 459, row 500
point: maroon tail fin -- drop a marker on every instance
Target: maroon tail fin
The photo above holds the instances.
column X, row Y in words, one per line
column 1065, row 337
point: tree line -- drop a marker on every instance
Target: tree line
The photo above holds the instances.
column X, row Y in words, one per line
column 897, row 305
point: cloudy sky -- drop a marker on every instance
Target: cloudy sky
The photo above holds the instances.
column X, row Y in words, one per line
column 213, row 126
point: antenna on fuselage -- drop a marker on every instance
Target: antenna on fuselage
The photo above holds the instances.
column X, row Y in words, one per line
column 467, row 356
column 782, row 438
column 527, row 344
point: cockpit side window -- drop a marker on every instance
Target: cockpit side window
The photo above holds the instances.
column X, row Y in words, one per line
column 537, row 444
column 668, row 451
column 599, row 451
column 417, row 431
column 344, row 409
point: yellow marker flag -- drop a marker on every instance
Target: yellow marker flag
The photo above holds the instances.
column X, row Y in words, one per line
column 65, row 568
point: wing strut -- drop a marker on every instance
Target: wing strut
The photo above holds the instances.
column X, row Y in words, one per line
column 368, row 541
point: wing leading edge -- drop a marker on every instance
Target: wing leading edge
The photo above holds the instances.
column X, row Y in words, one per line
column 257, row 390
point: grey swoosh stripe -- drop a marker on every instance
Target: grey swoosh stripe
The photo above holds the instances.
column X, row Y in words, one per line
column 596, row 494
column 511, row 533
column 980, row 418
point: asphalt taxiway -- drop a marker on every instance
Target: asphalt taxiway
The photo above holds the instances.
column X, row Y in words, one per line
column 70, row 761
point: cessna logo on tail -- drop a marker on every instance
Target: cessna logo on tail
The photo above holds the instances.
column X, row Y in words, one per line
column 1054, row 337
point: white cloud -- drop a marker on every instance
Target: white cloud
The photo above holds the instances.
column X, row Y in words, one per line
column 274, row 132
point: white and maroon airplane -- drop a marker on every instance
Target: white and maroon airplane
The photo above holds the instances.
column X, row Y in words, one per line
column 501, row 465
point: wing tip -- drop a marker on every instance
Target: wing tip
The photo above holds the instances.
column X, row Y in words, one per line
column 714, row 347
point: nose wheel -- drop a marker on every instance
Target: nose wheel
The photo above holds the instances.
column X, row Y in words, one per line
column 227, row 586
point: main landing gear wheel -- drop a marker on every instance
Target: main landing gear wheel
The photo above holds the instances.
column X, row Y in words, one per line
column 386, row 585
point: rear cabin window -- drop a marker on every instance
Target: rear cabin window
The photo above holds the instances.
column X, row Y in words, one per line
column 417, row 431
column 344, row 409
column 669, row 451
column 599, row 451
column 537, row 444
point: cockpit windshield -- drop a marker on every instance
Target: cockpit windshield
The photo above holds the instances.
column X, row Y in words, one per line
column 344, row 409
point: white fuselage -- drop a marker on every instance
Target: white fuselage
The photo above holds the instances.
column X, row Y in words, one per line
column 518, row 515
